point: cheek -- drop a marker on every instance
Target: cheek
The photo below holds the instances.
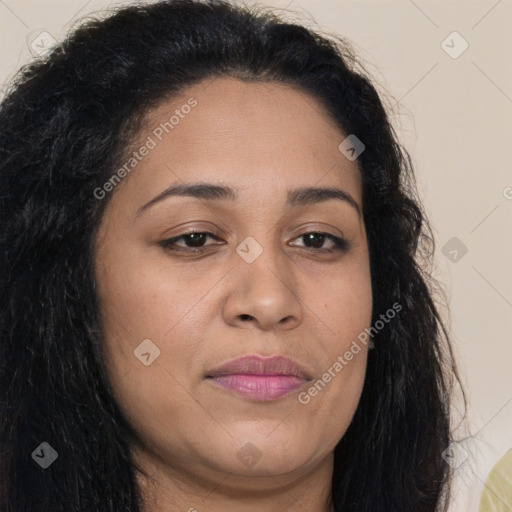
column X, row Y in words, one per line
column 141, row 299
column 344, row 304
column 138, row 305
column 143, row 313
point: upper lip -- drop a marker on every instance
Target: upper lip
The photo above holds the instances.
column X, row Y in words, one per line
column 260, row 365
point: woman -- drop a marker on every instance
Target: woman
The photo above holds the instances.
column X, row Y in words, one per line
column 213, row 285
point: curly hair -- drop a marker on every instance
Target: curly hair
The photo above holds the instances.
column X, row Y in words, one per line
column 66, row 122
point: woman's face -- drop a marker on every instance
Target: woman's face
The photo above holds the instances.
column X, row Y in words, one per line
column 258, row 284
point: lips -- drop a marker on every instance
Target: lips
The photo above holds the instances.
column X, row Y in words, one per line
column 260, row 378
column 259, row 365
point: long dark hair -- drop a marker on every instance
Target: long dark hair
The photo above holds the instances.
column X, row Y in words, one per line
column 65, row 124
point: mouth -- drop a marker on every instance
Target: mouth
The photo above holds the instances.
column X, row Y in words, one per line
column 260, row 378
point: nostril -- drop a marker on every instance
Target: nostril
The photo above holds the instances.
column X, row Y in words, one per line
column 245, row 317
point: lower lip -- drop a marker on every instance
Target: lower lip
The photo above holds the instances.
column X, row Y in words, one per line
column 260, row 387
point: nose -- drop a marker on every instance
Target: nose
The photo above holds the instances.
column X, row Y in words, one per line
column 263, row 293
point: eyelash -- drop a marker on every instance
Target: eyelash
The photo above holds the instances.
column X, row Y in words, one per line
column 340, row 244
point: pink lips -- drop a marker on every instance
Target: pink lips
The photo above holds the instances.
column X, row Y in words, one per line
column 260, row 378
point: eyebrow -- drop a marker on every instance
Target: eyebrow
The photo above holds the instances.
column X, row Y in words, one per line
column 211, row 191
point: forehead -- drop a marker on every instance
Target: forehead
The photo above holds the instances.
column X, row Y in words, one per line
column 250, row 136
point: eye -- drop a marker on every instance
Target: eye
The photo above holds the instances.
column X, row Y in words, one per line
column 194, row 241
column 316, row 239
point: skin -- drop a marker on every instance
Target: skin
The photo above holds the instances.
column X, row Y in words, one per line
column 262, row 140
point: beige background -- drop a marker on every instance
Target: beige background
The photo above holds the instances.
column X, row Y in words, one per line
column 455, row 119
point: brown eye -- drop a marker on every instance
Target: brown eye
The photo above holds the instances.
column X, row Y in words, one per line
column 194, row 241
column 315, row 240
